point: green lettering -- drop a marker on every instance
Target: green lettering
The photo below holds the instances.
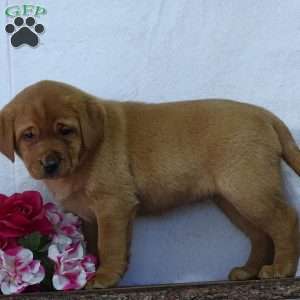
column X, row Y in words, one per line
column 13, row 11
column 27, row 9
column 40, row 11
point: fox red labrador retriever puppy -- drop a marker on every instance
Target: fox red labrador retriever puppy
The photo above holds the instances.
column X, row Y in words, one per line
column 108, row 160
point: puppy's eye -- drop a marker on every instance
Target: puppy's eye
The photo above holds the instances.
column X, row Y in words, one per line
column 64, row 130
column 28, row 135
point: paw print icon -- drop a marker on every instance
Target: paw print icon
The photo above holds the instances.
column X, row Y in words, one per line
column 24, row 32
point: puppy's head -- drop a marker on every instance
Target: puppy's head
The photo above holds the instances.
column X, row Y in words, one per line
column 51, row 126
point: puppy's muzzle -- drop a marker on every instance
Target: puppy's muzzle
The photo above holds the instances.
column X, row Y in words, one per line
column 51, row 164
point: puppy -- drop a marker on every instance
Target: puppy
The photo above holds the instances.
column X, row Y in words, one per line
column 107, row 161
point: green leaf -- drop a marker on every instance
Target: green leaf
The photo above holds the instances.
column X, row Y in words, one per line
column 31, row 241
column 48, row 264
column 35, row 242
column 44, row 244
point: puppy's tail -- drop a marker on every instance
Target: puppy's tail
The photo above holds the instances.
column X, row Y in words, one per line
column 290, row 150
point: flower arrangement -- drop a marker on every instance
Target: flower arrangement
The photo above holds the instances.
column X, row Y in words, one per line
column 41, row 247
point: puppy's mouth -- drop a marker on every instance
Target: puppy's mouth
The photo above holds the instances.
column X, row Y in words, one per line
column 52, row 175
column 51, row 172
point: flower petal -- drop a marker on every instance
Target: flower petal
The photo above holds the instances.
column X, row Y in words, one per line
column 60, row 282
column 38, row 276
column 8, row 288
column 53, row 252
column 23, row 258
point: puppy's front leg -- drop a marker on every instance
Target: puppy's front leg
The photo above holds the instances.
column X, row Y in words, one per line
column 114, row 220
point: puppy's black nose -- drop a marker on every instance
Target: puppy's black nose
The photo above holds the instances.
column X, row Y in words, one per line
column 51, row 164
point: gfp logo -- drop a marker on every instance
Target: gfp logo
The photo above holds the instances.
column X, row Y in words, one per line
column 24, row 29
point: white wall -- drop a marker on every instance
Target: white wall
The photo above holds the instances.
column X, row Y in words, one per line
column 161, row 50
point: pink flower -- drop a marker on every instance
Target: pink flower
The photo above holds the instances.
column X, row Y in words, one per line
column 21, row 214
column 70, row 226
column 72, row 268
column 67, row 225
column 54, row 215
column 19, row 270
column 89, row 263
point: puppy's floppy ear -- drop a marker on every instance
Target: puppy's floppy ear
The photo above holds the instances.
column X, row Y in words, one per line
column 7, row 145
column 91, row 117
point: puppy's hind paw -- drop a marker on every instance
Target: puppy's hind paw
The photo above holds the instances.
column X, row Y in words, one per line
column 277, row 271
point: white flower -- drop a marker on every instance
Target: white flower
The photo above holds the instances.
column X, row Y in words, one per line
column 67, row 249
column 72, row 267
column 18, row 270
column 54, row 215
column 66, row 225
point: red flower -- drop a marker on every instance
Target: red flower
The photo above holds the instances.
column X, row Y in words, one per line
column 6, row 244
column 22, row 214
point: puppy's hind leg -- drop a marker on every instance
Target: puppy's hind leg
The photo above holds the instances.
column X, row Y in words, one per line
column 256, row 195
column 262, row 250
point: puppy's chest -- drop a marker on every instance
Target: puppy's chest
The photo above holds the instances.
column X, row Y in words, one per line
column 78, row 204
column 71, row 198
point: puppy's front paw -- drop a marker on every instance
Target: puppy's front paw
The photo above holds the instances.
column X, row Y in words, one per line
column 103, row 280
column 242, row 273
